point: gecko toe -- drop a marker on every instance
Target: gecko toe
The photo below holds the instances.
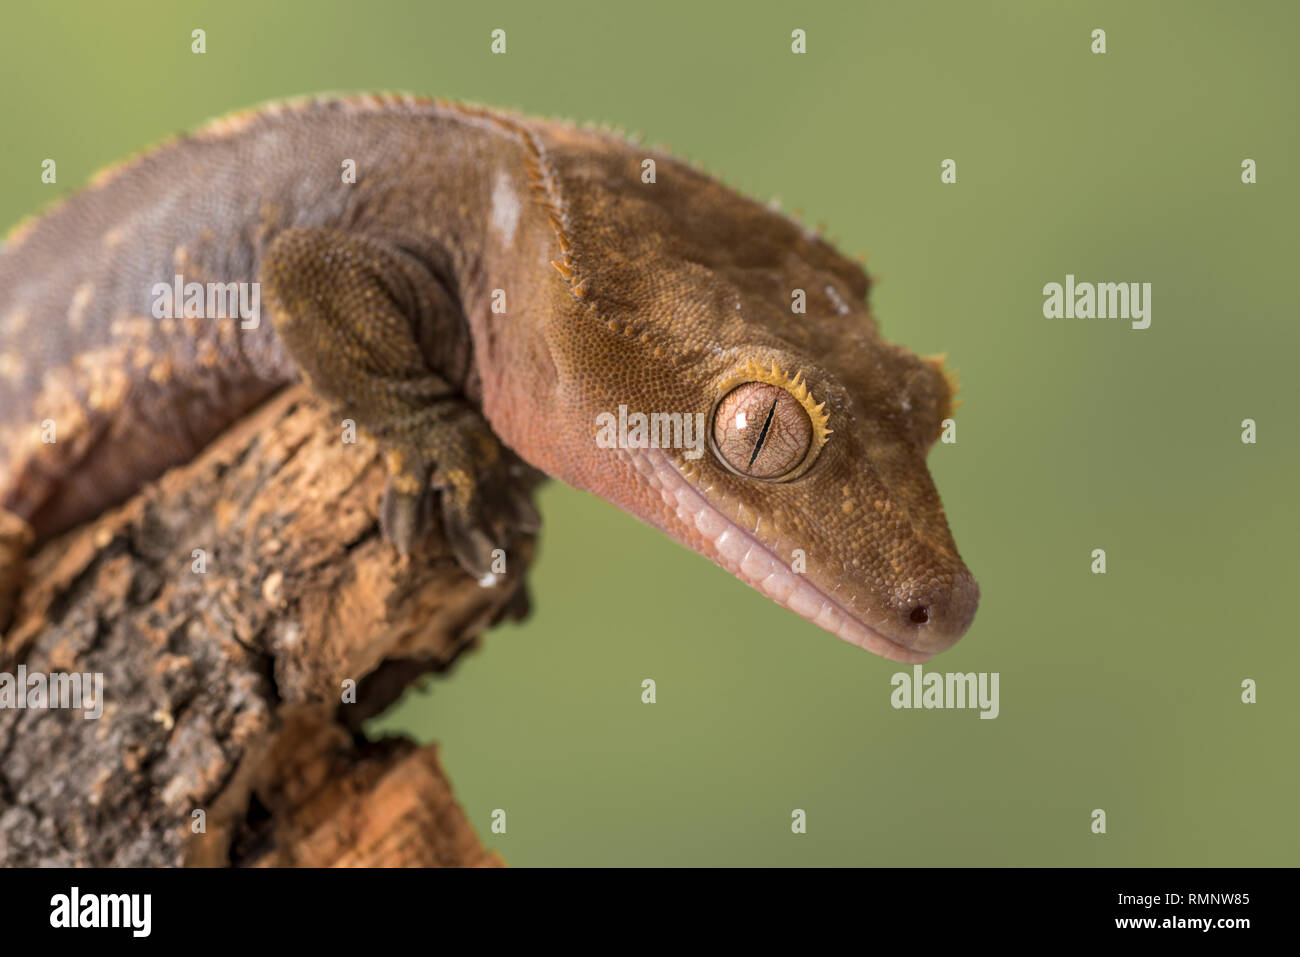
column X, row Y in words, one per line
column 403, row 517
column 526, row 519
column 474, row 548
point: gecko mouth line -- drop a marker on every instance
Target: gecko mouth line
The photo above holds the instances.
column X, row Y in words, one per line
column 755, row 564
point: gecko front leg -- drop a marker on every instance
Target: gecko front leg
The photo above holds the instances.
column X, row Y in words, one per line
column 352, row 311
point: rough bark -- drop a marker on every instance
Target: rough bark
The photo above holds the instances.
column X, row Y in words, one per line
column 224, row 689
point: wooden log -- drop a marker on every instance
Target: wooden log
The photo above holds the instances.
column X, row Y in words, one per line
column 247, row 618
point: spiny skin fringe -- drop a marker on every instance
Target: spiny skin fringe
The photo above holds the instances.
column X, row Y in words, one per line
column 938, row 364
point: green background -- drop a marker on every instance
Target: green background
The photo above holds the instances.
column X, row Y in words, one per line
column 1120, row 691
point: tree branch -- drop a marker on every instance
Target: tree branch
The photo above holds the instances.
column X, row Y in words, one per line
column 227, row 606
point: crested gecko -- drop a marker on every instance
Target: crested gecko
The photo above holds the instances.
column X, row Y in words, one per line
column 479, row 295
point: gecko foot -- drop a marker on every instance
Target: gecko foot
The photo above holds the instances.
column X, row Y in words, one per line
column 484, row 494
column 486, row 513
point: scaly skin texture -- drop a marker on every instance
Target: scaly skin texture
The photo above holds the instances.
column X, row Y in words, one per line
column 662, row 297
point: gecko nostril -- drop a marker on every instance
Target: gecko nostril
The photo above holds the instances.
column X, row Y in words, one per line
column 920, row 614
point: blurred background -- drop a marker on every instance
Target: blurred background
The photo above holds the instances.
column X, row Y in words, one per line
column 1119, row 691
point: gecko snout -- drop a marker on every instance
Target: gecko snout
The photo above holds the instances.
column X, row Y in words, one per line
column 939, row 614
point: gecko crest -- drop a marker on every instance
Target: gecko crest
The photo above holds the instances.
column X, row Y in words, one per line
column 937, row 363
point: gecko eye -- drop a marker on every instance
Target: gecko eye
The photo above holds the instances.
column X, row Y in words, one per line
column 761, row 430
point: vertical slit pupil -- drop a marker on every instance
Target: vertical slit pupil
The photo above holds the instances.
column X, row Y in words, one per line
column 762, row 435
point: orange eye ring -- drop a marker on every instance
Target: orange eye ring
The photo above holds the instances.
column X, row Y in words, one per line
column 766, row 425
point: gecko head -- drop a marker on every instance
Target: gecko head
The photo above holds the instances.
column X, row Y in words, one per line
column 714, row 369
column 792, row 452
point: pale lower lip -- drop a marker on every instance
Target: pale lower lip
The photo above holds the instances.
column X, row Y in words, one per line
column 754, row 563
